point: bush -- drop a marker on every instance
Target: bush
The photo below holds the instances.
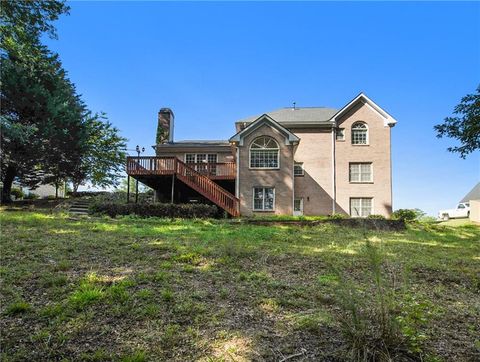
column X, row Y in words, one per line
column 376, row 217
column 86, row 193
column 120, row 197
column 17, row 193
column 187, row 211
column 408, row 214
column 31, row 196
column 338, row 216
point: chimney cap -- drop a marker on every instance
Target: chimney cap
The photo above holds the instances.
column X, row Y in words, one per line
column 165, row 110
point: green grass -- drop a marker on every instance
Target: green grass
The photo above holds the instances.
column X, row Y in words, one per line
column 131, row 289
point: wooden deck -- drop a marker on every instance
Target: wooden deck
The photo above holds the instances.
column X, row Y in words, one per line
column 147, row 165
column 198, row 177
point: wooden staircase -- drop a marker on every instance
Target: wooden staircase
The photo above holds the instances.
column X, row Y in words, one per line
column 189, row 176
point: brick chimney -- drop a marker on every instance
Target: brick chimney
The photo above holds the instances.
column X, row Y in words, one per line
column 165, row 126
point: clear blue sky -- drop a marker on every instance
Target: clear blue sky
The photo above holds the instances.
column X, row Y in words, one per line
column 214, row 63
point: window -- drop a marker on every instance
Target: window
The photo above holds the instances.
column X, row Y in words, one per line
column 264, row 153
column 359, row 134
column 361, row 172
column 461, row 206
column 361, row 207
column 298, row 206
column 190, row 158
column 263, row 198
column 202, row 162
column 298, row 169
column 340, row 134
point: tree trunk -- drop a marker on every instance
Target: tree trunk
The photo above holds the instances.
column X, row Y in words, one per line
column 10, row 174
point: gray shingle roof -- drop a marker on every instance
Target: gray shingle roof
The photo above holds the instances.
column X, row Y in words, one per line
column 195, row 143
column 298, row 115
column 474, row 194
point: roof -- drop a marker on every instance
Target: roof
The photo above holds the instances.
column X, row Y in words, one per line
column 474, row 194
column 314, row 116
column 265, row 119
column 362, row 97
column 298, row 115
column 194, row 143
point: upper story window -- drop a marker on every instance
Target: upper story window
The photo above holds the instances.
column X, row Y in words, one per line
column 361, row 172
column 340, row 134
column 264, row 153
column 359, row 133
column 298, row 169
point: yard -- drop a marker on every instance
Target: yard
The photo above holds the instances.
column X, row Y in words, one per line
column 127, row 289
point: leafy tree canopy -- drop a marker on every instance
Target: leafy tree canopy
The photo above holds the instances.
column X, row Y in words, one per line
column 464, row 126
column 47, row 132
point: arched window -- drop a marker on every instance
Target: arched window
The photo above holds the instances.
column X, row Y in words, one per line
column 264, row 153
column 359, row 133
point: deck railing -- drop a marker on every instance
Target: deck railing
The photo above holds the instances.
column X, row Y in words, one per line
column 147, row 165
column 197, row 176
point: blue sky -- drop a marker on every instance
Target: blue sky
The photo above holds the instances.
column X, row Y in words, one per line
column 214, row 63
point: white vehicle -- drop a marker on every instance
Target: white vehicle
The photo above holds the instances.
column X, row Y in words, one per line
column 462, row 210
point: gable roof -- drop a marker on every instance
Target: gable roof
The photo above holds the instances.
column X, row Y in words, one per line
column 264, row 119
column 320, row 116
column 297, row 116
column 474, row 194
column 362, row 97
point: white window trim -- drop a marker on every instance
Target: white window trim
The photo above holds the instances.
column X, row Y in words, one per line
column 302, row 166
column 301, row 204
column 360, row 182
column 198, row 153
column 361, row 197
column 266, row 149
column 253, row 198
column 368, row 134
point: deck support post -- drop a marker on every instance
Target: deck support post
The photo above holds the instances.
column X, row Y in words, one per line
column 136, row 192
column 128, row 189
column 173, row 188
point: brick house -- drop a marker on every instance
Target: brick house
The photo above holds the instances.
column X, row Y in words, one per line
column 292, row 161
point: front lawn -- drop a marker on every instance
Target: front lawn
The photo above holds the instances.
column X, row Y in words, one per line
column 127, row 289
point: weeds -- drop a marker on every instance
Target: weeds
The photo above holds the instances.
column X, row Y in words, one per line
column 378, row 322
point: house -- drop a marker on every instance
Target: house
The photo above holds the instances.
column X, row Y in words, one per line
column 291, row 161
column 473, row 198
column 43, row 190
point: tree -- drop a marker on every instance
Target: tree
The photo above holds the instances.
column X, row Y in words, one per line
column 47, row 133
column 36, row 96
column 104, row 155
column 465, row 127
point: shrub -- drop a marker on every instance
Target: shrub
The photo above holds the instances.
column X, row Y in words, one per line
column 338, row 216
column 376, row 217
column 187, row 211
column 86, row 193
column 18, row 193
column 408, row 214
column 31, row 196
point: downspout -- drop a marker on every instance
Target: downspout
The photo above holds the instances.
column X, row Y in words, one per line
column 293, row 180
column 391, row 168
column 237, row 181
column 334, row 171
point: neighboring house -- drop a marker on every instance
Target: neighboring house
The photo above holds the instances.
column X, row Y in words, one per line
column 42, row 190
column 473, row 198
column 292, row 161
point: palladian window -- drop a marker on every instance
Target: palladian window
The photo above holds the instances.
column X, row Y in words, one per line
column 264, row 153
column 359, row 134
